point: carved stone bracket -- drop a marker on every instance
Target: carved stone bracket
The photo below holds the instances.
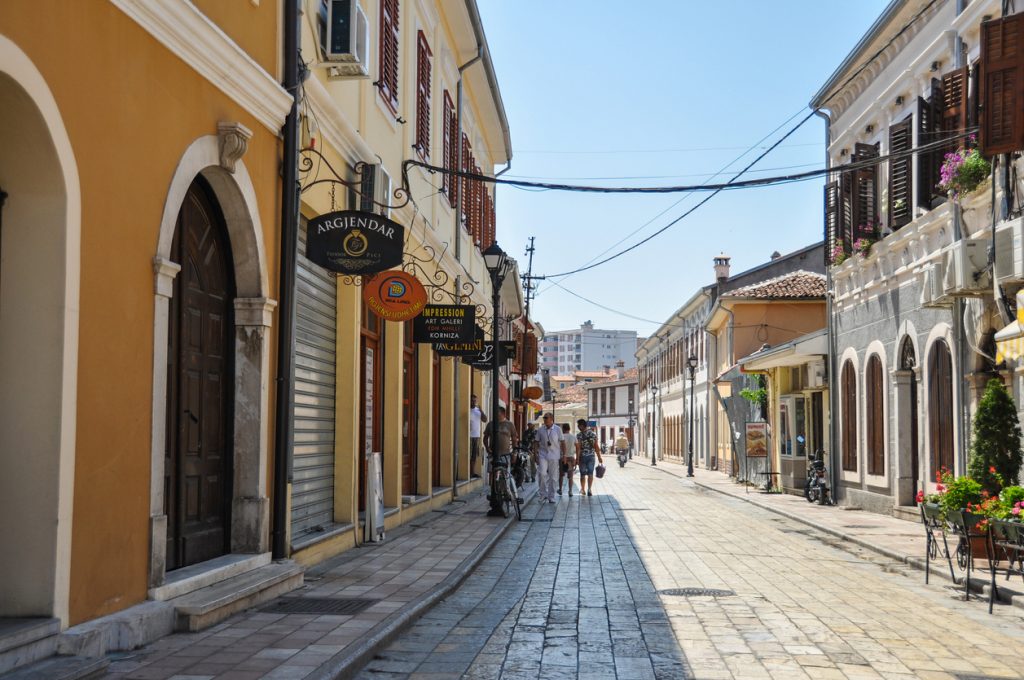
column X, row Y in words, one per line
column 234, row 141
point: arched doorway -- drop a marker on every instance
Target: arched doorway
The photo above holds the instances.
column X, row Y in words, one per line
column 39, row 242
column 199, row 443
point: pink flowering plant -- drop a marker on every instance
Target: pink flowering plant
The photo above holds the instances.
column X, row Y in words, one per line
column 863, row 245
column 838, row 255
column 963, row 171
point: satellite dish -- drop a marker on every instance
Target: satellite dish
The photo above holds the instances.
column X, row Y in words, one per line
column 533, row 392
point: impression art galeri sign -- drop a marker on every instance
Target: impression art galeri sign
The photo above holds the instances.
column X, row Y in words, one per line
column 444, row 323
column 354, row 242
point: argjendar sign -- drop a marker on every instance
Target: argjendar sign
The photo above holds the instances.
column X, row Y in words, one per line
column 444, row 323
column 354, row 242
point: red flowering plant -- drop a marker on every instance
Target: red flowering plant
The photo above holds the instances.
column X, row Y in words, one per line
column 942, row 476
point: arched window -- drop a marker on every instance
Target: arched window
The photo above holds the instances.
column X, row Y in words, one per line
column 875, row 416
column 848, row 399
column 940, row 406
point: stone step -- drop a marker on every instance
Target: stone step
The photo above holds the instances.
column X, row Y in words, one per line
column 26, row 640
column 61, row 668
column 909, row 513
column 189, row 579
column 211, row 605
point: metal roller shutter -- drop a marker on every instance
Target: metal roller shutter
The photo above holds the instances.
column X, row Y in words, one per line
column 316, row 303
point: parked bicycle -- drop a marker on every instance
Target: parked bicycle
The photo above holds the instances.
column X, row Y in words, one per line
column 503, row 487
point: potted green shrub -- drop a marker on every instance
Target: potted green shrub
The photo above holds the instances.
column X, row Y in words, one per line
column 995, row 445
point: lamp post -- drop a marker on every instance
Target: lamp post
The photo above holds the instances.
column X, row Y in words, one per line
column 654, row 424
column 498, row 266
column 691, row 365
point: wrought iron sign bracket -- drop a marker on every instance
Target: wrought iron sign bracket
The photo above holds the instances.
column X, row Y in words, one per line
column 313, row 164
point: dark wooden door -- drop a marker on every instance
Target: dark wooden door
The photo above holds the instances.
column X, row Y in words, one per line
column 371, row 397
column 435, row 466
column 409, row 415
column 940, row 406
column 198, row 459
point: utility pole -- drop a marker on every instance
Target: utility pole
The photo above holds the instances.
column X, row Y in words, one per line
column 528, row 277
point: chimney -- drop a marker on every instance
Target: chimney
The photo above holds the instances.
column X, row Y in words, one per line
column 620, row 369
column 776, row 255
column 722, row 268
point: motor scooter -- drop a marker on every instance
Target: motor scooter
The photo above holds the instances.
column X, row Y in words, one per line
column 622, row 456
column 816, row 488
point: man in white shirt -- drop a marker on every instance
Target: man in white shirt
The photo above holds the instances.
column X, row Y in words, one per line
column 550, row 449
column 476, row 417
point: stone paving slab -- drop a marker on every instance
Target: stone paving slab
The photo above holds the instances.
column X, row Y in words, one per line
column 585, row 594
column 898, row 539
column 414, row 568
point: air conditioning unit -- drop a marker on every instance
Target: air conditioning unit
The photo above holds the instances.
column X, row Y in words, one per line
column 1010, row 251
column 966, row 268
column 816, row 374
column 375, row 190
column 932, row 291
column 348, row 40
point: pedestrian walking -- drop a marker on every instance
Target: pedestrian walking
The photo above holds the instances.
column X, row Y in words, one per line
column 568, row 467
column 476, row 418
column 590, row 453
column 550, row 449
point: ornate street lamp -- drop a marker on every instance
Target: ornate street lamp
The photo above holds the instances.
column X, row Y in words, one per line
column 654, row 424
column 691, row 364
column 498, row 266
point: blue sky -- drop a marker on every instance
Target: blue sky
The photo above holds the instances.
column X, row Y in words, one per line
column 664, row 93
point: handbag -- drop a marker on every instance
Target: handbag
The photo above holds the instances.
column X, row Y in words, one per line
column 599, row 471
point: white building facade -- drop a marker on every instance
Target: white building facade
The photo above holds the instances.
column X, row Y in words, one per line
column 587, row 349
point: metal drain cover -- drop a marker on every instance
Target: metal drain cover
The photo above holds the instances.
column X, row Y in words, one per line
column 318, row 605
column 696, row 592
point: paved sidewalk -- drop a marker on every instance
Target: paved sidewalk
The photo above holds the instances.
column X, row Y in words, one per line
column 896, row 539
column 416, row 567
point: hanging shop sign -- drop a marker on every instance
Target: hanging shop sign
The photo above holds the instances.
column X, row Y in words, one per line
column 444, row 323
column 458, row 349
column 354, row 242
column 757, row 440
column 484, row 360
column 395, row 295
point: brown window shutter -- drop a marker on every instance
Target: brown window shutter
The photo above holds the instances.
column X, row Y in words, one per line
column 849, row 418
column 954, row 102
column 846, row 210
column 876, row 424
column 900, row 173
column 1002, row 85
column 973, row 98
column 423, row 55
column 865, row 218
column 448, row 151
column 925, row 128
column 388, row 83
column 464, row 184
column 832, row 236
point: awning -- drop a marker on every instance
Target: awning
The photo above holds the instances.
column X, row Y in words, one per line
column 1010, row 340
column 803, row 350
column 1010, row 343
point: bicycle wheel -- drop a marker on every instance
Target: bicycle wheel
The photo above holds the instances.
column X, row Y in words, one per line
column 504, row 493
column 518, row 506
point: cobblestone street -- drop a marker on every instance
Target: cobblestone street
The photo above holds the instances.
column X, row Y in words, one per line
column 577, row 591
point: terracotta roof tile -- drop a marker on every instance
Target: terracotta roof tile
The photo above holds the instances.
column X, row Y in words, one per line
column 799, row 284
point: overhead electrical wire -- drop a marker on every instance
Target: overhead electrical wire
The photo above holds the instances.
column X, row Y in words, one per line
column 715, row 189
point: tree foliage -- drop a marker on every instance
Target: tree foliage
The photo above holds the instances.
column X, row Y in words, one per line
column 995, row 446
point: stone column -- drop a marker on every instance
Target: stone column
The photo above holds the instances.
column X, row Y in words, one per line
column 250, row 508
column 164, row 272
